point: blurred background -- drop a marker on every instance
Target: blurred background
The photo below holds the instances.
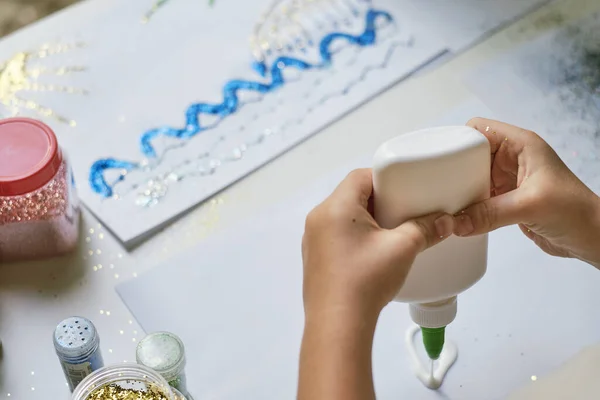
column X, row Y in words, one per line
column 15, row 14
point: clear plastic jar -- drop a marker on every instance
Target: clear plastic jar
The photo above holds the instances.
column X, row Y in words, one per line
column 39, row 210
column 164, row 353
column 127, row 376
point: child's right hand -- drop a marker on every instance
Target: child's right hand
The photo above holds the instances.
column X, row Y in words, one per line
column 532, row 187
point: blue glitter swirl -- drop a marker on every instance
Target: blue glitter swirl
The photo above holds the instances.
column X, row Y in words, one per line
column 231, row 102
column 229, row 105
column 260, row 67
column 97, row 180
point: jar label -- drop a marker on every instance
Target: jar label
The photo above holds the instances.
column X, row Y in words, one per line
column 77, row 372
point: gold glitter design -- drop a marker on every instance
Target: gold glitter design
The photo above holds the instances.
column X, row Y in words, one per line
column 116, row 392
column 50, row 201
column 17, row 75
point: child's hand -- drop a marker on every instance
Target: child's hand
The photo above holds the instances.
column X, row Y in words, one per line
column 352, row 263
column 532, row 187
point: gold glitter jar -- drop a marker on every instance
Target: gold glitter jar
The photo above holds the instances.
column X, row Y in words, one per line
column 39, row 210
column 127, row 381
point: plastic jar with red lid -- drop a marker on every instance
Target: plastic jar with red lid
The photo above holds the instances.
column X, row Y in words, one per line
column 39, row 209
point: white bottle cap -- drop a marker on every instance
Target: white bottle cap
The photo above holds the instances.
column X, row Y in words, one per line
column 434, row 315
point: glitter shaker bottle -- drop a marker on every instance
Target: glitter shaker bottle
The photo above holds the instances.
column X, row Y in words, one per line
column 125, row 381
column 77, row 345
column 39, row 210
column 164, row 353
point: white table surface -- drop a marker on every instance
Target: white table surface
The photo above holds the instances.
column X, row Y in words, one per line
column 35, row 296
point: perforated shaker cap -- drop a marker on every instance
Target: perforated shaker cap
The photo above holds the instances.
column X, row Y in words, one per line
column 163, row 352
column 434, row 315
column 75, row 338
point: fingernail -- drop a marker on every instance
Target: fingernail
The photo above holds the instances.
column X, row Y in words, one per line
column 463, row 224
column 444, row 226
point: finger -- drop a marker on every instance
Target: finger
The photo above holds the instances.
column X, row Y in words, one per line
column 491, row 214
column 421, row 233
column 357, row 187
column 507, row 143
column 501, row 134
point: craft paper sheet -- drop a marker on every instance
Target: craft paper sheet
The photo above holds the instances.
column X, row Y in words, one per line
column 236, row 301
column 159, row 114
column 551, row 84
column 237, row 304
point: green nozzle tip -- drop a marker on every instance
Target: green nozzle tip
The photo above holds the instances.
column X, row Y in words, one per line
column 433, row 339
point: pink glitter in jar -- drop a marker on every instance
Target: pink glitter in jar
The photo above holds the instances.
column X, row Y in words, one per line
column 39, row 210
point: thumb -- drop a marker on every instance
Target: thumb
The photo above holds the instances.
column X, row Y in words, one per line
column 419, row 234
column 489, row 215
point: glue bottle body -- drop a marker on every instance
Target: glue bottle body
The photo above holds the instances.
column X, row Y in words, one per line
column 434, row 170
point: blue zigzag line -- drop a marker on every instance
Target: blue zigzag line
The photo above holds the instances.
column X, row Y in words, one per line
column 231, row 102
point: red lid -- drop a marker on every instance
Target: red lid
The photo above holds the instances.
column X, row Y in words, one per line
column 29, row 156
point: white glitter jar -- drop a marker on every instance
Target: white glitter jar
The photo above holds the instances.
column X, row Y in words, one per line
column 164, row 353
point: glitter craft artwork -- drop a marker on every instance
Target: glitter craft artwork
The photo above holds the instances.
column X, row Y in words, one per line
column 231, row 103
column 158, row 4
column 18, row 76
column 156, row 187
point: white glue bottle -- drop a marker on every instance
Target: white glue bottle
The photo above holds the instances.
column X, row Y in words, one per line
column 434, row 170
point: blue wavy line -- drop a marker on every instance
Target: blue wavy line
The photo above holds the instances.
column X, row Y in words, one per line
column 97, row 180
column 231, row 102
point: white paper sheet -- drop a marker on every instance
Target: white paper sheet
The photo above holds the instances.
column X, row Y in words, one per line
column 551, row 84
column 143, row 76
column 236, row 301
